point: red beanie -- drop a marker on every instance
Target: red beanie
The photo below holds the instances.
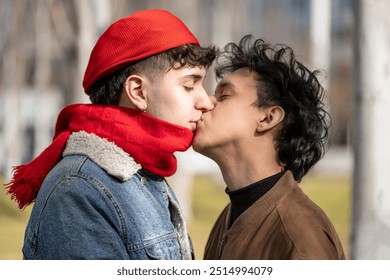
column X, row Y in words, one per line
column 135, row 37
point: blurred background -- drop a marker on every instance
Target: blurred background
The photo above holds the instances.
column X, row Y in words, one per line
column 45, row 47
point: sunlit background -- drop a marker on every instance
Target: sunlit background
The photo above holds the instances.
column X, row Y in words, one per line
column 45, row 46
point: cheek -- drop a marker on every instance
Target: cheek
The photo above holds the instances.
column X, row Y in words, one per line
column 176, row 111
column 183, row 109
column 217, row 126
column 211, row 137
column 181, row 115
column 231, row 125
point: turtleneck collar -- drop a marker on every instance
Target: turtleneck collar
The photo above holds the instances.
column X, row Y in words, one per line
column 244, row 198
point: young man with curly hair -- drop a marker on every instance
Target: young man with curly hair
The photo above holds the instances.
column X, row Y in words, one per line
column 99, row 188
column 267, row 129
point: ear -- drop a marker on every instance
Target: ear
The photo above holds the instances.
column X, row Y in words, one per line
column 270, row 118
column 134, row 91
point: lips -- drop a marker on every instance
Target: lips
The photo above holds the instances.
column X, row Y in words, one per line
column 193, row 126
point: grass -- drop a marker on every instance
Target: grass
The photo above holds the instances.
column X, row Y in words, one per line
column 332, row 194
column 13, row 222
column 208, row 201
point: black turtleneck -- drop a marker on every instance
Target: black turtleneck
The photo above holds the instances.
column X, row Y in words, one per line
column 243, row 198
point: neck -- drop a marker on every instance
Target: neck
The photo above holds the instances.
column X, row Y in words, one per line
column 242, row 166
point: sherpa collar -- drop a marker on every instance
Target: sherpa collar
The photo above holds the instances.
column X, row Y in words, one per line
column 114, row 160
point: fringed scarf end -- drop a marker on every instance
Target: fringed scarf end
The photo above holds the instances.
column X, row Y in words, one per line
column 28, row 178
column 23, row 187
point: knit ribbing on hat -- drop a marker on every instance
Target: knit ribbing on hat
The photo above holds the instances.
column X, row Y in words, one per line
column 133, row 38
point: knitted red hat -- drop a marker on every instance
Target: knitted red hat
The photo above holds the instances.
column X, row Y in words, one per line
column 135, row 37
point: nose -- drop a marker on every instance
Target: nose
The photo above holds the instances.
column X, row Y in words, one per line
column 213, row 100
column 205, row 103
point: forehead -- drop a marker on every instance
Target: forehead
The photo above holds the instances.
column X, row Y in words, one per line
column 240, row 79
column 188, row 73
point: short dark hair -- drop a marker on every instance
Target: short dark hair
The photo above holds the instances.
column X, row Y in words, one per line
column 107, row 90
column 282, row 80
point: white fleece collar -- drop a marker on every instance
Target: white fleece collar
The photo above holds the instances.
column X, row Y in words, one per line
column 113, row 159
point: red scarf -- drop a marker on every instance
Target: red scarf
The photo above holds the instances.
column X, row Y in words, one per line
column 150, row 141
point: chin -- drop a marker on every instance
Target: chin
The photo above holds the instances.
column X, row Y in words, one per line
column 200, row 148
column 196, row 144
column 201, row 143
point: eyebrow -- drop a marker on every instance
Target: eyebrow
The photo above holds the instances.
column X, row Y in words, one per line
column 224, row 84
column 195, row 77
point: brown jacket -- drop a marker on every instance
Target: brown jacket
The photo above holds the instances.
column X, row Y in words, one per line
column 283, row 224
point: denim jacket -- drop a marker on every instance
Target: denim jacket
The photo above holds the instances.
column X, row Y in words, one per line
column 97, row 203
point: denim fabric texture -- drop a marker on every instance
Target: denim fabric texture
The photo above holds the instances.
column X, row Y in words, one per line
column 83, row 212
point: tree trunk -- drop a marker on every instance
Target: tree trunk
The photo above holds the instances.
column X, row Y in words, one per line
column 371, row 191
column 85, row 42
column 42, row 78
column 320, row 35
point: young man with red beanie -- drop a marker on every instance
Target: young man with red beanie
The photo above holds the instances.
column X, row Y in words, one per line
column 267, row 129
column 99, row 188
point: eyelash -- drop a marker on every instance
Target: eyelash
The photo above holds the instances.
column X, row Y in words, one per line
column 222, row 97
column 188, row 88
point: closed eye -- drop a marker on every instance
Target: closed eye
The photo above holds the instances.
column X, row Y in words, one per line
column 221, row 97
column 188, row 88
column 224, row 90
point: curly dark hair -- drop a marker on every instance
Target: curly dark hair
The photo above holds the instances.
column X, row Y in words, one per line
column 283, row 81
column 107, row 90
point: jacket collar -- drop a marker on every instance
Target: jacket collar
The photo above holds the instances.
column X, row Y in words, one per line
column 263, row 206
column 114, row 160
